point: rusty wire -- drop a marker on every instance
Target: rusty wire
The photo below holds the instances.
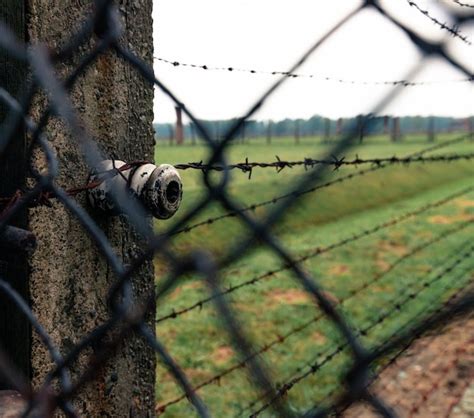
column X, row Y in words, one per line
column 127, row 313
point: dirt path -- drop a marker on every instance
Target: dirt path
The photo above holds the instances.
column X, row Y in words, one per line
column 433, row 379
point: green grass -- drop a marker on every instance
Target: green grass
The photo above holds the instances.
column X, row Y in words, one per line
column 273, row 307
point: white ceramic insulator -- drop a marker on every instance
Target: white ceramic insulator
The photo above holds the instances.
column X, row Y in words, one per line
column 159, row 188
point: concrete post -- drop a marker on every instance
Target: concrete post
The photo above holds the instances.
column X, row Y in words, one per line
column 69, row 279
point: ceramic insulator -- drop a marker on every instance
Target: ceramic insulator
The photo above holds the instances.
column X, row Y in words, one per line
column 158, row 187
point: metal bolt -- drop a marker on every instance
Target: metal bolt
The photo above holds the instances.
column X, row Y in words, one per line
column 159, row 188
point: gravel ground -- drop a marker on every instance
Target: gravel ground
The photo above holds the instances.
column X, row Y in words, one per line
column 433, row 379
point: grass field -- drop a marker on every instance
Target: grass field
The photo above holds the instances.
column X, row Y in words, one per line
column 364, row 278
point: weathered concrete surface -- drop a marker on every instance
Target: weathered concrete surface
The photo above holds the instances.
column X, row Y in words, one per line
column 69, row 279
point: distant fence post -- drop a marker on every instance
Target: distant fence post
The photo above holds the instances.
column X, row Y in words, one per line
column 339, row 127
column 360, row 128
column 297, row 131
column 327, row 129
column 431, row 129
column 14, row 328
column 386, row 123
column 269, row 132
column 179, row 132
column 193, row 133
column 395, row 129
column 70, row 280
column 218, row 131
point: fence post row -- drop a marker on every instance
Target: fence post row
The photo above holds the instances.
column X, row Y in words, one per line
column 68, row 278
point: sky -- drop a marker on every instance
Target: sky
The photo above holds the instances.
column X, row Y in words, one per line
column 270, row 35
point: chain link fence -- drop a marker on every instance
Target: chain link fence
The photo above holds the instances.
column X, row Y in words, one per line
column 127, row 312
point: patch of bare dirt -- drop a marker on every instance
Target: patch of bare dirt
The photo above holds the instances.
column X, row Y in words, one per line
column 339, row 270
column 464, row 203
column 196, row 375
column 382, row 265
column 222, row 354
column 175, row 293
column 297, row 297
column 424, row 235
column 194, row 285
column 392, row 247
column 289, row 296
column 188, row 286
column 318, row 338
column 451, row 219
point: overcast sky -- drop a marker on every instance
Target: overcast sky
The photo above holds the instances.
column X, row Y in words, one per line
column 270, row 35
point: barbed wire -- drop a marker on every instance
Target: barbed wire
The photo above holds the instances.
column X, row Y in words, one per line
column 453, row 30
column 319, row 251
column 232, row 69
column 246, row 167
column 300, row 328
column 335, row 163
column 43, row 199
column 329, row 183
